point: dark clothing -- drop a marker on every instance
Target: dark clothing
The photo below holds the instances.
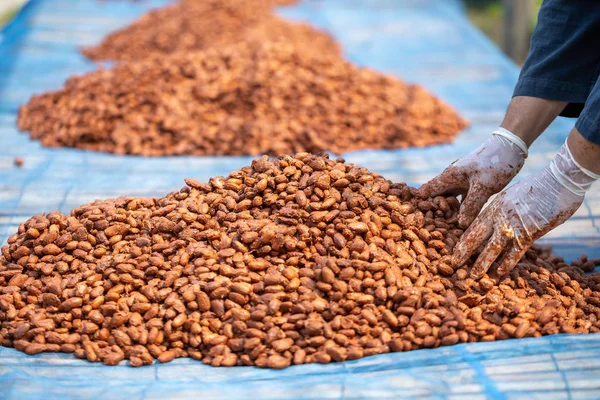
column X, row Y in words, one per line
column 563, row 63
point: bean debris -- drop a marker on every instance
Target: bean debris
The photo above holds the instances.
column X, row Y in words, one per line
column 293, row 260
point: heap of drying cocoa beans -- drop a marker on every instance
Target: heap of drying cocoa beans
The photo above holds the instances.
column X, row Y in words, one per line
column 243, row 99
column 291, row 260
column 190, row 25
column 228, row 77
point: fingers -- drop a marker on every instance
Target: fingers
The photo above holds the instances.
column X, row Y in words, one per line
column 476, row 198
column 477, row 233
column 510, row 259
column 446, row 182
column 492, row 250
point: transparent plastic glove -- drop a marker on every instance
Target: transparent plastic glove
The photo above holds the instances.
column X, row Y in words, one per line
column 523, row 213
column 480, row 174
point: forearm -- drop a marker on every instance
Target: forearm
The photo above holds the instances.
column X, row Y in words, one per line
column 527, row 117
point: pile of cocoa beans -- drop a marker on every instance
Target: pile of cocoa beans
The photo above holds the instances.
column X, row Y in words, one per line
column 291, row 260
column 269, row 98
column 229, row 77
column 190, row 25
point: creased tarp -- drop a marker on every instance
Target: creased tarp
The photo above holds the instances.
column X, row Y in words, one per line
column 429, row 42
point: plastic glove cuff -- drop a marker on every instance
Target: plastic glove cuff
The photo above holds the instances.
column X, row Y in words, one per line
column 586, row 171
column 505, row 133
column 570, row 174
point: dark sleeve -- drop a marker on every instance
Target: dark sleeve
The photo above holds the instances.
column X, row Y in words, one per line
column 588, row 123
column 564, row 58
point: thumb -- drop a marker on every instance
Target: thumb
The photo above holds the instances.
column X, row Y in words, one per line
column 476, row 198
column 446, row 182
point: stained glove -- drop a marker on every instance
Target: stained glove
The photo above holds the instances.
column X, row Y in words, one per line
column 480, row 174
column 523, row 213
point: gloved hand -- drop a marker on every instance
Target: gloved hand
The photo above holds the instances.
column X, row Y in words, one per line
column 523, row 213
column 480, row 174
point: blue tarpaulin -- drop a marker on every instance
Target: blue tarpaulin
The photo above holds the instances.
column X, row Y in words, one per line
column 429, row 42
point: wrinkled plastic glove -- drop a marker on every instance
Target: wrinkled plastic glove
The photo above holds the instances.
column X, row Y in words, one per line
column 523, row 213
column 480, row 174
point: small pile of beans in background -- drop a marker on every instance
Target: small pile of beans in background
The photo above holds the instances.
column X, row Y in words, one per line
column 299, row 259
column 190, row 25
column 249, row 98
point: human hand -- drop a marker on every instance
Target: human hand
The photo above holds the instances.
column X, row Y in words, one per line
column 523, row 213
column 480, row 174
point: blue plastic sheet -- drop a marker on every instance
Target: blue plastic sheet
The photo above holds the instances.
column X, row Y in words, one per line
column 429, row 42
